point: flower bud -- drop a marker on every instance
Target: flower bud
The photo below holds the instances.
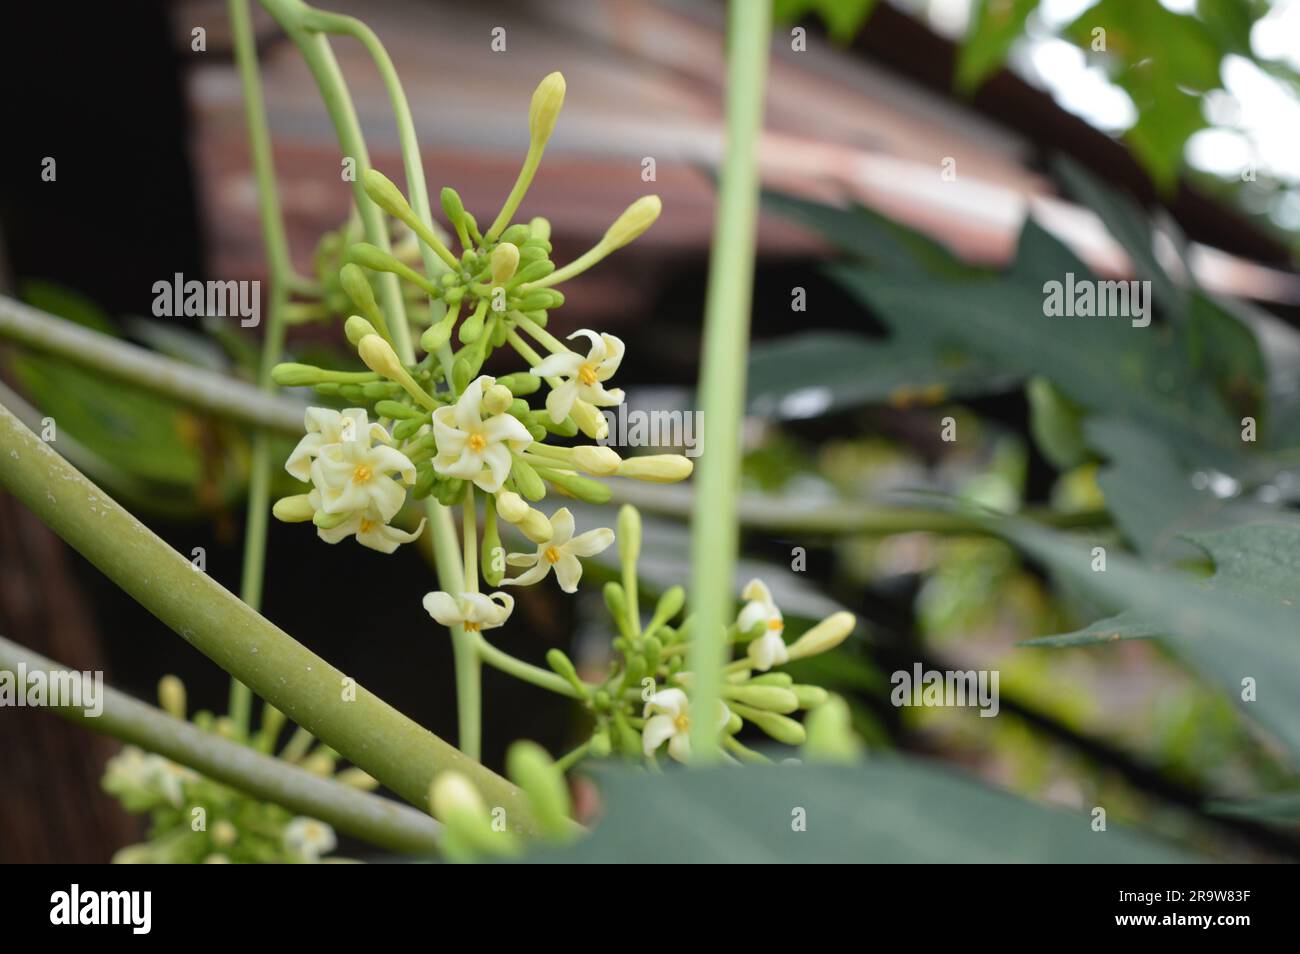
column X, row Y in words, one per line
column 770, row 698
column 505, row 259
column 810, row 697
column 539, row 229
column 629, row 535
column 589, row 420
column 512, row 507
column 437, row 335
column 583, row 488
column 596, row 460
column 782, row 728
column 357, row 328
column 296, row 509
column 378, row 355
column 535, row 526
column 830, row 735
column 290, row 375
column 452, row 207
column 656, row 468
column 357, row 287
column 544, row 111
column 496, row 399
column 520, row 383
column 534, row 771
column 827, row 634
column 636, row 218
column 171, row 696
column 386, row 195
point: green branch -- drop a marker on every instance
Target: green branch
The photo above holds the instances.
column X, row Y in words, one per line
column 359, row 725
column 377, row 820
column 722, row 373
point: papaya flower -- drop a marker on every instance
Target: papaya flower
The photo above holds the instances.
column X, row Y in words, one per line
column 353, row 476
column 473, row 611
column 668, row 719
column 326, row 426
column 769, row 649
column 584, row 377
column 560, row 550
column 368, row 527
column 472, row 448
column 308, row 839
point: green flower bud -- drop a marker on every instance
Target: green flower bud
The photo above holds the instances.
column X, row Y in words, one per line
column 497, row 399
column 562, row 666
column 636, row 218
column 398, row 410
column 378, row 260
column 295, row 509
column 515, row 235
column 654, row 651
column 356, row 328
column 453, row 208
column 830, row 735
column 810, row 697
column 616, row 601
column 826, row 635
column 536, row 432
column 328, row 388
column 407, row 428
column 629, row 739
column 782, row 679
column 770, row 698
column 533, row 770
column 520, row 383
column 171, row 696
column 357, row 287
column 541, row 298
column 599, row 747
column 544, row 111
column 527, row 479
column 628, row 534
column 437, row 335
column 289, row 375
column 583, row 488
column 782, row 728
column 531, row 272
column 540, row 229
column 385, row 194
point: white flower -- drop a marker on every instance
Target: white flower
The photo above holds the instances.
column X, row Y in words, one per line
column 370, row 529
column 353, row 476
column 671, row 722
column 584, row 375
column 561, row 551
column 325, row 426
column 472, row 448
column 307, row 839
column 473, row 611
column 769, row 649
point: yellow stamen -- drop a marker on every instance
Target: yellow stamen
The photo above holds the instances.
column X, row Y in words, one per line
column 366, row 525
column 552, row 554
column 776, row 624
column 362, row 474
column 682, row 723
column 587, row 375
column 477, row 442
column 470, row 627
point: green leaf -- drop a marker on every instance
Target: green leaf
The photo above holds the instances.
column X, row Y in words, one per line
column 1123, row 626
column 819, row 372
column 1242, row 626
column 995, row 26
column 1283, row 808
column 885, row 810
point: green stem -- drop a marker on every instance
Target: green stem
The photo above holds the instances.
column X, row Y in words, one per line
column 526, row 672
column 382, row 822
column 722, row 375
column 308, row 690
column 120, row 361
column 280, row 272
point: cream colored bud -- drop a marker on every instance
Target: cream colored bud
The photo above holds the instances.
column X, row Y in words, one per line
column 497, row 398
column 296, row 509
column 827, row 634
column 511, row 507
column 378, row 355
column 589, row 420
column 536, row 527
column 595, row 460
column 657, row 468
column 638, row 217
column 357, row 328
column 171, row 696
column 505, row 259
column 544, row 111
column 451, row 794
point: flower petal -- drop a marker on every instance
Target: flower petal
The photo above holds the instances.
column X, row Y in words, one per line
column 656, row 732
column 561, row 527
column 498, row 461
column 443, row 608
column 560, row 401
column 590, row 543
column 568, row 571
column 565, row 365
column 529, row 577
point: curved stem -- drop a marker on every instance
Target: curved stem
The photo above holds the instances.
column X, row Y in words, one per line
column 526, row 672
column 308, row 690
column 722, row 375
column 280, row 274
column 380, row 821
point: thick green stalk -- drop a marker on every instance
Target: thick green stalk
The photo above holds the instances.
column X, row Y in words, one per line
column 121, row 361
column 309, row 691
column 722, row 375
column 380, row 821
column 295, row 18
column 280, row 270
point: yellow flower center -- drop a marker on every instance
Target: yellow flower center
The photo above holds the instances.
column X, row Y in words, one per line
column 587, row 375
column 552, row 554
column 366, row 525
column 477, row 442
column 682, row 722
column 470, row 627
column 362, row 474
column 775, row 623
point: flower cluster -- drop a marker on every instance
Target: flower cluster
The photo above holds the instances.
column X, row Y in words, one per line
column 445, row 430
column 195, row 819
